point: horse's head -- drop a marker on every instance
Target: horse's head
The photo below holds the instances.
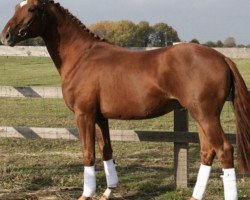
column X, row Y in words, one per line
column 27, row 22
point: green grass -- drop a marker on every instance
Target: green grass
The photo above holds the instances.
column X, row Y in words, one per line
column 34, row 112
column 27, row 71
column 145, row 170
column 244, row 67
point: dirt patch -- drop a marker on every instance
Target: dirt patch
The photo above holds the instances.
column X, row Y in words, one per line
column 24, row 51
column 49, row 194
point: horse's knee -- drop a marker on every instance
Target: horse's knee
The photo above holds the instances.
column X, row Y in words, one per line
column 225, row 155
column 89, row 159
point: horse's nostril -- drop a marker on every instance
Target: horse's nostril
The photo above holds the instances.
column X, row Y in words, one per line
column 7, row 36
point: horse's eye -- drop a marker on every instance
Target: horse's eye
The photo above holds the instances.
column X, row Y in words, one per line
column 31, row 9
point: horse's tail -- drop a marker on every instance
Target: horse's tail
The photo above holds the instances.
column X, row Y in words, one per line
column 241, row 102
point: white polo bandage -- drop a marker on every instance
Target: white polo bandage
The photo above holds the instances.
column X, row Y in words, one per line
column 89, row 187
column 111, row 174
column 201, row 183
column 230, row 185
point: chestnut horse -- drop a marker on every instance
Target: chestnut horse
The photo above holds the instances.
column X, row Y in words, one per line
column 102, row 81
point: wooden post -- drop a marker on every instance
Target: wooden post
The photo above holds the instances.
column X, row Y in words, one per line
column 181, row 150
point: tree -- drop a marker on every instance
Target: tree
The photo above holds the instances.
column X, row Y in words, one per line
column 162, row 34
column 230, row 42
column 195, row 41
column 241, row 46
column 124, row 33
column 103, row 29
column 143, row 31
column 219, row 43
column 210, row 44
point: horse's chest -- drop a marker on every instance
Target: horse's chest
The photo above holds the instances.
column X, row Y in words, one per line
column 80, row 97
column 68, row 96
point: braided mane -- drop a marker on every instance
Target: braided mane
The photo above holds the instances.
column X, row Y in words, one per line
column 77, row 21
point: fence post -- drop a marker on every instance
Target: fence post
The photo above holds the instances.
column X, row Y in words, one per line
column 181, row 149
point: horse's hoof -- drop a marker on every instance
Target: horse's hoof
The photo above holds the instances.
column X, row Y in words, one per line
column 192, row 198
column 107, row 194
column 85, row 198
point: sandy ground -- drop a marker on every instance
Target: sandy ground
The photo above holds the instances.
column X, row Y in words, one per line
column 23, row 51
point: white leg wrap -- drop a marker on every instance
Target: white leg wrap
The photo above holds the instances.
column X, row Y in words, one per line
column 111, row 174
column 89, row 187
column 201, row 182
column 230, row 186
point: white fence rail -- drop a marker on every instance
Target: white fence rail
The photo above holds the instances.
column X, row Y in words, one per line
column 39, row 92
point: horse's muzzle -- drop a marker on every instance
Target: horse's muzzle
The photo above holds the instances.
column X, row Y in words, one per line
column 1, row 37
column 7, row 38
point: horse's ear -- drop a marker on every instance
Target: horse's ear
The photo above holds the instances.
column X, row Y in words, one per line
column 39, row 3
column 36, row 2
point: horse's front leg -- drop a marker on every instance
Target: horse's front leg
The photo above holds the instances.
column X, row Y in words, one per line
column 207, row 155
column 103, row 138
column 86, row 128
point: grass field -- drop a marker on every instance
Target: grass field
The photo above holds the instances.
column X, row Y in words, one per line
column 52, row 169
column 27, row 71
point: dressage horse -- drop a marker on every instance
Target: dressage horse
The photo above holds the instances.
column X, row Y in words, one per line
column 102, row 81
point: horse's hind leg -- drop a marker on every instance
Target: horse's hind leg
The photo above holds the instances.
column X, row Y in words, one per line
column 213, row 141
column 103, row 139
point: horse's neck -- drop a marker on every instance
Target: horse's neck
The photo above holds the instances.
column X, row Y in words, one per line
column 64, row 38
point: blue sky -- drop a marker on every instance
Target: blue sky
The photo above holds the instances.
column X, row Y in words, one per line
column 202, row 19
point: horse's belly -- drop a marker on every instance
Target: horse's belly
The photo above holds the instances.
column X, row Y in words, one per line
column 140, row 110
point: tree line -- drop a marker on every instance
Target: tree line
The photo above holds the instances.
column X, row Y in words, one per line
column 126, row 33
column 229, row 42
